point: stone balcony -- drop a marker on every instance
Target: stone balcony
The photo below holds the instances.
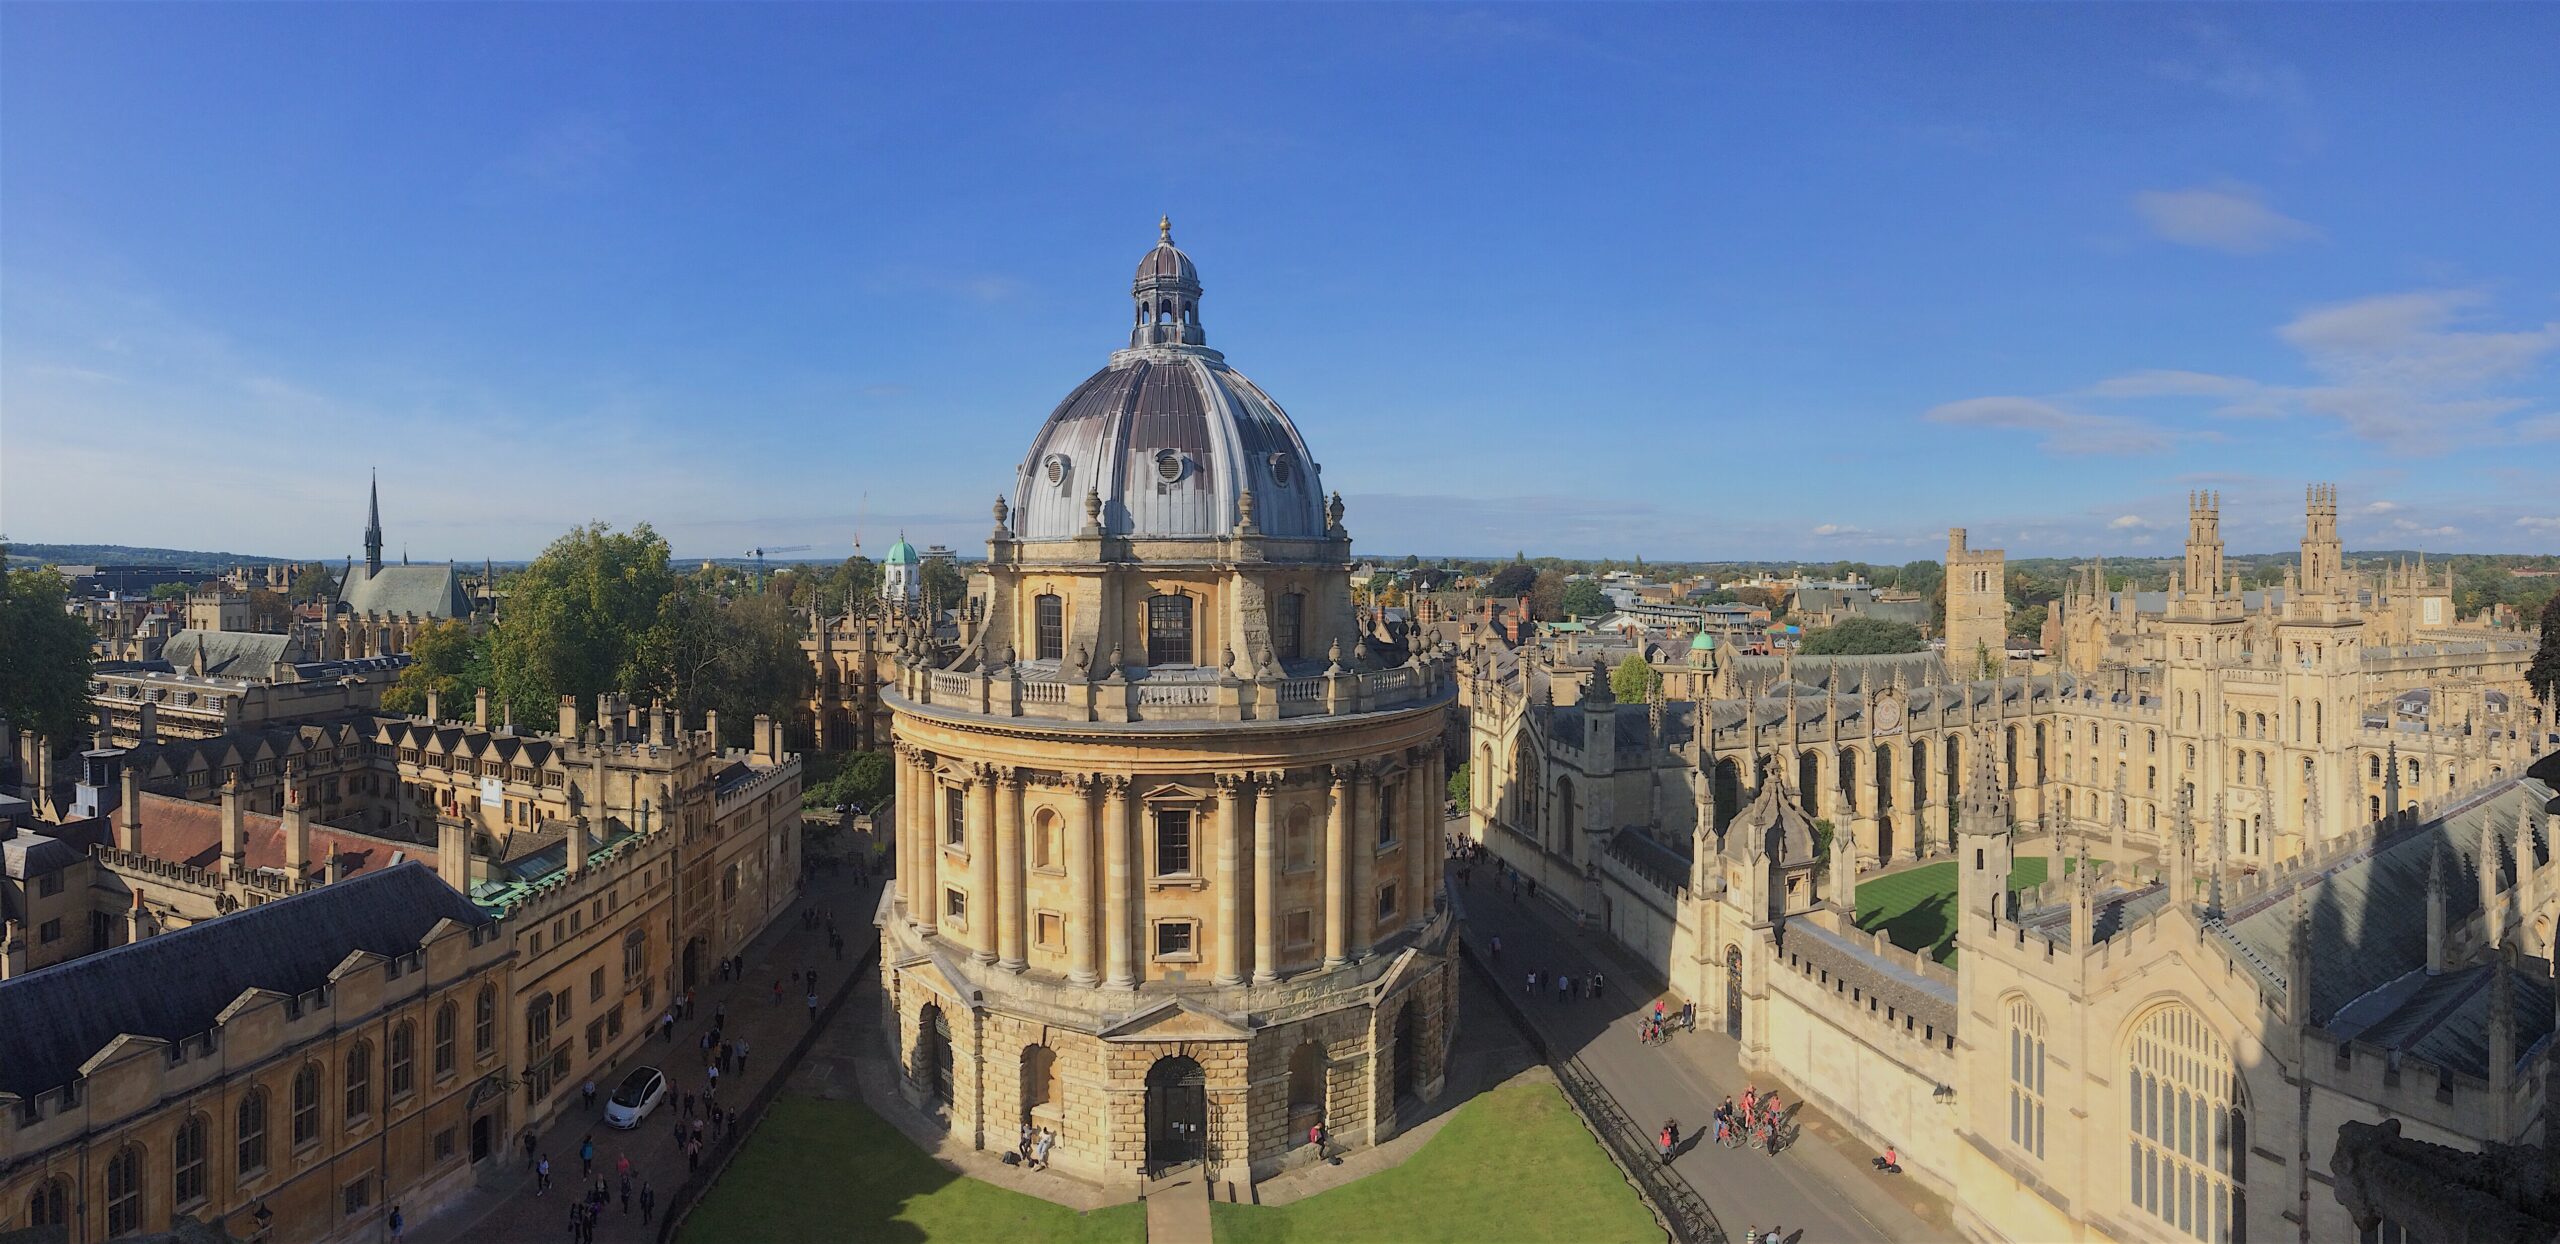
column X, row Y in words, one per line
column 1040, row 690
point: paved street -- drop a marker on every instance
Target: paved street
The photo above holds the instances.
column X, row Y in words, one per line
column 505, row 1206
column 1822, row 1186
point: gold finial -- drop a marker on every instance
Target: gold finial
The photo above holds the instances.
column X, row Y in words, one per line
column 1164, row 230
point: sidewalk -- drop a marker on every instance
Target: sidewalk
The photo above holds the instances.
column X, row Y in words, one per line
column 1822, row 1185
column 505, row 1207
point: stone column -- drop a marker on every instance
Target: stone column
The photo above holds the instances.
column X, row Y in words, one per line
column 1364, row 860
column 1266, row 879
column 1231, row 849
column 1084, row 922
column 1337, row 866
column 902, row 826
column 1422, row 839
column 1117, row 816
column 928, row 846
column 1013, row 954
column 982, row 863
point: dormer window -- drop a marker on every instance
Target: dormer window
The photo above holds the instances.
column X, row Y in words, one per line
column 1169, row 465
column 1055, row 468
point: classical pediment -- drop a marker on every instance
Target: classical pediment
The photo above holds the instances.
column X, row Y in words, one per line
column 1174, row 792
column 1174, row 1020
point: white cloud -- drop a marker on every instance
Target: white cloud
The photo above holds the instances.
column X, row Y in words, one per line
column 2232, row 218
column 2381, row 507
column 1840, row 531
column 2059, row 430
column 2422, row 529
column 2129, row 522
column 2540, row 523
column 2161, row 383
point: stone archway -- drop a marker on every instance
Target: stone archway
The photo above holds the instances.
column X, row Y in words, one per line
column 1406, row 1055
column 1177, row 1113
column 931, row 1068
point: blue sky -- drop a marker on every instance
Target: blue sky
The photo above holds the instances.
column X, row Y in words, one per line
column 1679, row 281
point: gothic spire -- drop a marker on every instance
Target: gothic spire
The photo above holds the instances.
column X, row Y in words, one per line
column 373, row 528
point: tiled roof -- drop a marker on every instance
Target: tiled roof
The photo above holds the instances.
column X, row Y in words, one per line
column 183, row 831
column 177, row 984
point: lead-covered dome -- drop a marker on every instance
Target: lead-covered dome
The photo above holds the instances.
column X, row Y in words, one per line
column 1168, row 438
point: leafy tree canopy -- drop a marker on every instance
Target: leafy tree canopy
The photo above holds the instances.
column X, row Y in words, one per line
column 45, row 656
column 1633, row 681
column 446, row 658
column 2544, row 674
column 1583, row 599
column 944, row 585
column 578, row 616
column 316, row 582
column 1860, row 636
column 1546, row 596
column 1512, row 580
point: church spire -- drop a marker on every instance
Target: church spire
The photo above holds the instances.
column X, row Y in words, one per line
column 373, row 528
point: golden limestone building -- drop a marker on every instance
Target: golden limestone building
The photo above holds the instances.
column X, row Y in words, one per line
column 1169, row 848
column 2295, row 877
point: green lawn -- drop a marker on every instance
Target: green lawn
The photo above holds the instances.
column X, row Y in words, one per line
column 832, row 1170
column 1916, row 909
column 1514, row 1164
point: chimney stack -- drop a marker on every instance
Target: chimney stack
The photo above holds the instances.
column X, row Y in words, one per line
column 480, row 708
column 765, row 749
column 658, row 723
column 148, row 733
column 568, row 717
column 129, row 813
column 711, row 726
column 435, row 706
column 453, row 855
column 577, row 860
column 234, row 839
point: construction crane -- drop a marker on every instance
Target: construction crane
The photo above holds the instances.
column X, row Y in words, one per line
column 759, row 555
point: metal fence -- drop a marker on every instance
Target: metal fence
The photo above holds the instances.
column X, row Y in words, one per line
column 1674, row 1202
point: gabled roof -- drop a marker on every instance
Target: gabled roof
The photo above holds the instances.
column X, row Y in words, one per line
column 230, row 654
column 176, row 985
column 427, row 591
column 183, row 831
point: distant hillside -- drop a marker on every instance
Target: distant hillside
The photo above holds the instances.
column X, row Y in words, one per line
column 127, row 555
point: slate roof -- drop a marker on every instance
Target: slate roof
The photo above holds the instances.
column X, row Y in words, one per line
column 31, row 854
column 427, row 591
column 230, row 654
column 1872, row 672
column 2368, row 915
column 177, row 984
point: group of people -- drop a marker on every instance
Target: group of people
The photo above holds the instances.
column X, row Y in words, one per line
column 1656, row 1028
column 1036, row 1142
column 588, row 1210
column 1756, row 1121
column 1567, row 988
column 1463, row 856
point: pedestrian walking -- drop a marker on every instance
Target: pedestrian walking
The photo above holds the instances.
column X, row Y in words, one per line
column 777, row 991
column 712, row 1075
column 1532, row 986
column 1663, row 1141
column 648, row 1202
column 397, row 1224
column 1595, row 984
column 587, row 1157
column 742, row 1055
column 813, row 1004
column 542, row 1175
column 1497, row 948
column 1564, row 987
column 626, row 1192
column 528, row 1148
column 587, row 1094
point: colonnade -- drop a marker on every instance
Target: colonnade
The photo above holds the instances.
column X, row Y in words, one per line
column 1376, row 813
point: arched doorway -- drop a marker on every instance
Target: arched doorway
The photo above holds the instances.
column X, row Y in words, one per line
column 1733, row 992
column 1404, row 1053
column 1884, row 840
column 692, row 963
column 932, row 1065
column 1177, row 1112
column 480, row 1137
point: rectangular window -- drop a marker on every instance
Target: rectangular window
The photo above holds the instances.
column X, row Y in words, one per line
column 595, row 1035
column 50, row 886
column 1386, row 902
column 1053, row 930
column 1299, row 929
column 1286, row 623
column 1173, row 842
column 444, row 1144
column 1174, row 939
column 955, row 907
column 1388, row 795
column 613, row 1021
column 1169, row 630
column 358, row 1195
column 595, row 985
column 50, row 931
column 1049, row 616
column 955, row 819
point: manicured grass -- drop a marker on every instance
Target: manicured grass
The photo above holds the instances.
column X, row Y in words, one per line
column 1514, row 1164
column 1916, row 909
column 832, row 1170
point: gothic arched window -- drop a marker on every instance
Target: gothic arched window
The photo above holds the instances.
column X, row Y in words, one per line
column 2187, row 1139
column 250, row 1130
column 2026, row 1077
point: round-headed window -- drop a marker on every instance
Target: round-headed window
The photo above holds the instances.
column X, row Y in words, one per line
column 1168, row 465
column 1281, row 468
column 1054, row 467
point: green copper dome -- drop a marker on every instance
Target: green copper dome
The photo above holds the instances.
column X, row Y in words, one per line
column 901, row 553
column 1702, row 642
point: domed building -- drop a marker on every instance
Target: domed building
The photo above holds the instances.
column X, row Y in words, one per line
column 1168, row 817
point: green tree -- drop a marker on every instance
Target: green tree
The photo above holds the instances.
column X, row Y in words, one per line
column 45, row 655
column 1717, row 596
column 316, row 583
column 1583, row 598
column 446, row 658
column 1633, row 680
column 759, row 667
column 1857, row 636
column 944, row 585
column 1461, row 782
column 576, row 618
column 1512, row 580
column 171, row 591
column 1546, row 596
column 2544, row 674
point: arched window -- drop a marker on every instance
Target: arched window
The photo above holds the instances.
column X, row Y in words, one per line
column 2026, row 1077
column 2373, row 767
column 1049, row 626
column 404, row 1059
column 187, row 1161
column 2187, row 1140
column 1306, row 1078
column 1169, row 630
column 448, row 1019
column 484, row 1022
column 1564, row 814
column 124, row 1192
column 1045, row 851
column 50, row 1204
column 250, row 1131
column 1039, row 1078
column 306, row 1105
column 359, row 1080
column 1288, row 626
column 1809, row 781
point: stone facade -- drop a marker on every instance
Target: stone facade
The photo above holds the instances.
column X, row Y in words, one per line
column 1167, row 819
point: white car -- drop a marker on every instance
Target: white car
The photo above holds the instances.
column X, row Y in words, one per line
column 640, row 1093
